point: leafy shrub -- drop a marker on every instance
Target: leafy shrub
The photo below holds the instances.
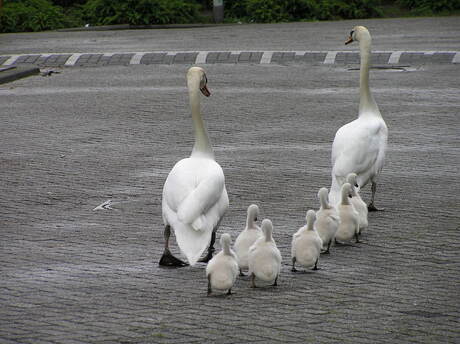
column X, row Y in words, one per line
column 287, row 10
column 31, row 15
column 428, row 7
column 140, row 12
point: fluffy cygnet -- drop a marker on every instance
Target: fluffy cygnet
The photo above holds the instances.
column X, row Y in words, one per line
column 327, row 220
column 358, row 203
column 222, row 269
column 247, row 238
column 349, row 218
column 264, row 257
column 306, row 244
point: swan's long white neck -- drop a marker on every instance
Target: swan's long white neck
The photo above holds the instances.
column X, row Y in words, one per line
column 367, row 104
column 202, row 146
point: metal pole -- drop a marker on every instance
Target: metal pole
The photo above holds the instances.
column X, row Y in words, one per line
column 217, row 10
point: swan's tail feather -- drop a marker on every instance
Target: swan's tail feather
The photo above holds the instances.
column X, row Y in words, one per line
column 334, row 194
column 192, row 243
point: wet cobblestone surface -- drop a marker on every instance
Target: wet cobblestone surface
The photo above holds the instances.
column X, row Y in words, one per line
column 76, row 139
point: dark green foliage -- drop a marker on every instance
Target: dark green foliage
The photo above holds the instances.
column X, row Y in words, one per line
column 140, row 12
column 31, row 15
column 288, row 10
column 429, row 7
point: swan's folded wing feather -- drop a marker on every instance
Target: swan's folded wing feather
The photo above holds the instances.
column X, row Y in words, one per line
column 355, row 149
column 202, row 198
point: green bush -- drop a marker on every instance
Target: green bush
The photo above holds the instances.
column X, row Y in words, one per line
column 140, row 12
column 429, row 7
column 288, row 10
column 31, row 15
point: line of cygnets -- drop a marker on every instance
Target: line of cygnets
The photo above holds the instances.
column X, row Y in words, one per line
column 256, row 250
column 195, row 197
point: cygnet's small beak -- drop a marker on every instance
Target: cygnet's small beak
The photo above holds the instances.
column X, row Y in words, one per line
column 205, row 91
column 349, row 40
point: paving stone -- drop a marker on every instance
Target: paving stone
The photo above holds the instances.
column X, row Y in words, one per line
column 74, row 275
column 347, row 58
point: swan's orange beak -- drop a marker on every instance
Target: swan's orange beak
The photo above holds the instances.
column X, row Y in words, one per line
column 205, row 91
column 349, row 40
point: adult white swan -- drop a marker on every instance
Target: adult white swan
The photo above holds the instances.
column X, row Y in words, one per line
column 194, row 194
column 359, row 146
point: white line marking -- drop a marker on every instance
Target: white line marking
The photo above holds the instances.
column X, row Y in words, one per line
column 108, row 54
column 330, row 57
column 72, row 60
column 266, row 57
column 456, row 58
column 136, row 59
column 11, row 60
column 394, row 57
column 201, row 57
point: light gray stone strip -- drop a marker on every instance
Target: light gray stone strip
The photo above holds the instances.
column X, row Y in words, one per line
column 72, row 60
column 456, row 58
column 394, row 57
column 330, row 57
column 11, row 60
column 266, row 57
column 136, row 59
column 203, row 57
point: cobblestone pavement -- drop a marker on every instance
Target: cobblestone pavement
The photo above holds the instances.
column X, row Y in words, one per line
column 251, row 57
column 70, row 142
column 74, row 140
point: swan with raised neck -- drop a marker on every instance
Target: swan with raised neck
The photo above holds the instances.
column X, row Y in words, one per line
column 360, row 145
column 195, row 198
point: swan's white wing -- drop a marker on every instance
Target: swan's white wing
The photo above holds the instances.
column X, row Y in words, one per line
column 357, row 147
column 201, row 199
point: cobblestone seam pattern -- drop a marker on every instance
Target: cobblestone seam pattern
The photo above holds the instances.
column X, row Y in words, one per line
column 229, row 57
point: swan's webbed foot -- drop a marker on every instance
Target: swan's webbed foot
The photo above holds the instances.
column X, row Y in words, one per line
column 208, row 256
column 167, row 259
column 338, row 243
column 275, row 284
column 316, row 265
column 328, row 247
column 229, row 292
column 209, row 286
column 357, row 238
column 293, row 264
column 372, row 207
column 253, row 281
